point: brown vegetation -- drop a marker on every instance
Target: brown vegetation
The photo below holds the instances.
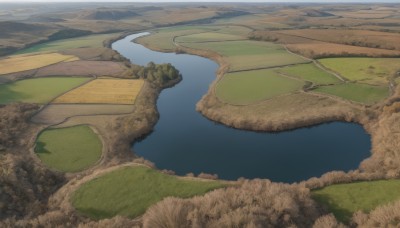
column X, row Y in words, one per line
column 317, row 44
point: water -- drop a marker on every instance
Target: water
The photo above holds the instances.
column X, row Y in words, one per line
column 184, row 141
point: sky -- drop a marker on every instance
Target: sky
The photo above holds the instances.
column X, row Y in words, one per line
column 362, row 1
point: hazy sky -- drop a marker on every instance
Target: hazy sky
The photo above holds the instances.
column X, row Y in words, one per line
column 200, row 1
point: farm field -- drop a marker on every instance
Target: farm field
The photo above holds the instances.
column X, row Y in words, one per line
column 368, row 70
column 57, row 113
column 252, row 86
column 92, row 41
column 309, row 72
column 87, row 68
column 130, row 191
column 69, row 149
column 245, row 55
column 104, row 91
column 345, row 199
column 18, row 63
column 208, row 37
column 362, row 93
column 38, row 90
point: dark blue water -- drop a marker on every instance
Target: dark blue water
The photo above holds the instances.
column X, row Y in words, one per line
column 184, row 141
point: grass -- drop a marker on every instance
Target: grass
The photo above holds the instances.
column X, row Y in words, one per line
column 69, row 149
column 93, row 41
column 130, row 191
column 370, row 70
column 252, row 86
column 345, row 199
column 37, row 90
column 18, row 63
column 245, row 55
column 207, row 37
column 362, row 93
column 310, row 72
column 104, row 91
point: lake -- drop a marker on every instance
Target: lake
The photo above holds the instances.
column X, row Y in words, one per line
column 184, row 141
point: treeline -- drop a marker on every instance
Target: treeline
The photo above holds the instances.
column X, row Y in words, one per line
column 160, row 74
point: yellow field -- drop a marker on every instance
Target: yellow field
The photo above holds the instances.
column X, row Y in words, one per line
column 104, row 91
column 18, row 63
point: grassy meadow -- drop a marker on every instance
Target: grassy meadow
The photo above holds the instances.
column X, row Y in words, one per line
column 345, row 199
column 362, row 93
column 310, row 72
column 38, row 90
column 247, row 54
column 130, row 191
column 104, row 91
column 208, row 37
column 92, row 41
column 252, row 86
column 368, row 70
column 18, row 63
column 69, row 149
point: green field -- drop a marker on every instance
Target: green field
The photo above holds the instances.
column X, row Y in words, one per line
column 310, row 72
column 38, row 90
column 251, row 86
column 362, row 93
column 208, row 37
column 247, row 54
column 369, row 70
column 163, row 38
column 345, row 199
column 69, row 149
column 130, row 191
column 92, row 41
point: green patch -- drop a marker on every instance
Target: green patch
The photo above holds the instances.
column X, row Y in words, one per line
column 310, row 72
column 247, row 54
column 38, row 90
column 130, row 191
column 361, row 93
column 208, row 37
column 369, row 70
column 93, row 41
column 251, row 86
column 345, row 199
column 69, row 149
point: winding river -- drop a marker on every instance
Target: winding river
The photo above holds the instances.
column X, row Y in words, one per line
column 184, row 141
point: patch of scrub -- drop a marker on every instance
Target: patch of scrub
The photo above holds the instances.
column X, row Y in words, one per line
column 38, row 90
column 104, row 91
column 310, row 72
column 369, row 70
column 69, row 149
column 362, row 93
column 18, row 63
column 251, row 86
column 345, row 199
column 130, row 191
column 93, row 41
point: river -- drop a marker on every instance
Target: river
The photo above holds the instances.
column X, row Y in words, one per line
column 184, row 141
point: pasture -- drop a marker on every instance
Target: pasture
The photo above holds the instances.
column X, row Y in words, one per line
column 69, row 149
column 18, row 63
column 92, row 41
column 310, row 72
column 104, row 91
column 245, row 55
column 368, row 70
column 345, row 199
column 362, row 93
column 38, row 90
column 252, row 86
column 208, row 37
column 130, row 191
